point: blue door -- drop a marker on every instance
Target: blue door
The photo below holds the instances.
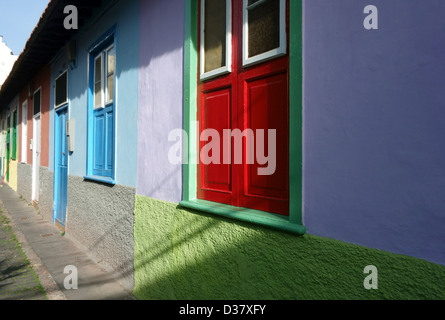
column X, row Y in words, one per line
column 61, row 168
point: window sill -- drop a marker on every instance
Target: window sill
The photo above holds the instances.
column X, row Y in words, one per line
column 105, row 180
column 247, row 215
column 61, row 106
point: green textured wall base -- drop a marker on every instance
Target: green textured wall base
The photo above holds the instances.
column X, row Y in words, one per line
column 181, row 254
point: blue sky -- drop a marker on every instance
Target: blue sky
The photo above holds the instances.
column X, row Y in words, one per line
column 18, row 19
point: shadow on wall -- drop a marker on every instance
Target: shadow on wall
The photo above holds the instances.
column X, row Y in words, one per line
column 160, row 97
column 187, row 255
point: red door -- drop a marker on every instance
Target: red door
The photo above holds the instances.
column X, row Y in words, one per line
column 243, row 104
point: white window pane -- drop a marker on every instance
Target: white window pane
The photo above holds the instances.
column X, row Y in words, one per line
column 98, row 74
column 215, row 29
column 111, row 71
column 263, row 27
column 98, row 95
column 111, row 61
column 98, row 69
column 110, row 88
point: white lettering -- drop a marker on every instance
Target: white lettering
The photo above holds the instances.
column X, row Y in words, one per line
column 371, row 281
column 70, row 282
column 372, row 20
column 71, row 21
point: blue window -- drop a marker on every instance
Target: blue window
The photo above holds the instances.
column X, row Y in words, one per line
column 101, row 112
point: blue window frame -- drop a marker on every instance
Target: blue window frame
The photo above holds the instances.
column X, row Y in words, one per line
column 102, row 110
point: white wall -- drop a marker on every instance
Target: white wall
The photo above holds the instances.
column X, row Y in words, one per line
column 7, row 60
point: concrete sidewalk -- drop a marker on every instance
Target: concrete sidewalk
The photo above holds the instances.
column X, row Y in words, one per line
column 18, row 280
column 50, row 252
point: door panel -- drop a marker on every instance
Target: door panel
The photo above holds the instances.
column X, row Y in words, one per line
column 217, row 175
column 61, row 167
column 267, row 110
column 36, row 159
column 8, row 153
column 14, row 135
column 24, row 139
column 267, row 179
column 99, row 147
column 252, row 99
column 109, row 141
column 103, row 127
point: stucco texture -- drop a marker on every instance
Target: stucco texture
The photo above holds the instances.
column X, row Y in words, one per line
column 373, row 125
column 46, row 193
column 100, row 220
column 24, row 181
column 180, row 254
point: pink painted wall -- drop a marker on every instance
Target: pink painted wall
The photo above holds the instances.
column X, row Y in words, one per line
column 42, row 80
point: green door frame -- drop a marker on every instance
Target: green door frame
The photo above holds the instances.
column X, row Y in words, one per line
column 293, row 223
column 8, row 152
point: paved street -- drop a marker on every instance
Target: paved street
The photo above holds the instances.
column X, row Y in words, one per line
column 26, row 235
column 18, row 280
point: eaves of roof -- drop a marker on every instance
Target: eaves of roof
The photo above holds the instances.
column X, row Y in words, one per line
column 47, row 38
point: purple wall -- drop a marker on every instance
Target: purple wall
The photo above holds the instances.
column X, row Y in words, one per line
column 160, row 97
column 374, row 125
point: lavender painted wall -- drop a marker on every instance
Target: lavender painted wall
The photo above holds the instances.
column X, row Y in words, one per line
column 374, row 125
column 160, row 97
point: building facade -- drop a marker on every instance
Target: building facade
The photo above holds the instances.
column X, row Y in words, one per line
column 7, row 60
column 94, row 164
column 134, row 137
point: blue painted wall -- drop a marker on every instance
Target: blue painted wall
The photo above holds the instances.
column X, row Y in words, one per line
column 374, row 127
column 125, row 16
column 58, row 66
